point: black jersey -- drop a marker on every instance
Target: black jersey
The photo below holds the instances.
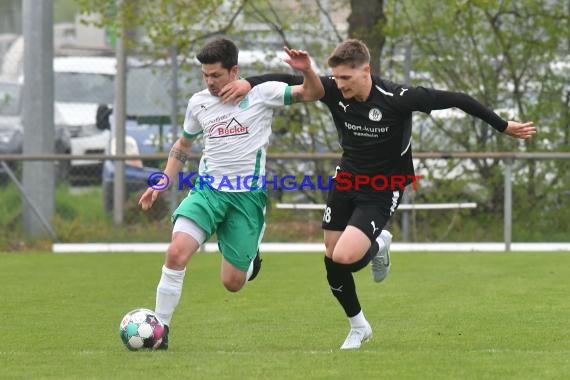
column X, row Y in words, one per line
column 375, row 135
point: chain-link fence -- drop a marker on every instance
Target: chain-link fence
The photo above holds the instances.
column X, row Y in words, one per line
column 539, row 210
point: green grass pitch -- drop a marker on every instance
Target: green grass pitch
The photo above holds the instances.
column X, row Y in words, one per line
column 437, row 316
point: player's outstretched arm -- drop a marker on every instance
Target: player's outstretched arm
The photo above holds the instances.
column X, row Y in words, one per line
column 518, row 130
column 177, row 158
column 448, row 99
column 312, row 88
column 235, row 91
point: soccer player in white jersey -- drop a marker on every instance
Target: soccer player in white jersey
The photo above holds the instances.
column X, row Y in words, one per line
column 230, row 202
column 373, row 117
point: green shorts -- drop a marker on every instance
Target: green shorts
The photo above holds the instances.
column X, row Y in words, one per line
column 238, row 218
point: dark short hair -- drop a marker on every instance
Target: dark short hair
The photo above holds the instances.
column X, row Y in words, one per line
column 351, row 52
column 220, row 50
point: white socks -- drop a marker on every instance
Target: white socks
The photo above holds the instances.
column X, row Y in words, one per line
column 381, row 243
column 168, row 293
column 358, row 321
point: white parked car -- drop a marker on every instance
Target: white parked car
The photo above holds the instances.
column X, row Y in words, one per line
column 82, row 84
column 85, row 86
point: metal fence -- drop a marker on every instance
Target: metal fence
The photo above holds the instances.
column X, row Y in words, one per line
column 509, row 206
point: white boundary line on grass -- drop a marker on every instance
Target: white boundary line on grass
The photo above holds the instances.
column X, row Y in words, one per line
column 314, row 247
column 404, row 206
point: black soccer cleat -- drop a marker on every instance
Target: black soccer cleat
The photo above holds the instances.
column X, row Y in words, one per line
column 256, row 267
column 164, row 343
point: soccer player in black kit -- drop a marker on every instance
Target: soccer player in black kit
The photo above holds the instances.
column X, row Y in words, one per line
column 373, row 117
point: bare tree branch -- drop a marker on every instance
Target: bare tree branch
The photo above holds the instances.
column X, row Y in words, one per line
column 330, row 21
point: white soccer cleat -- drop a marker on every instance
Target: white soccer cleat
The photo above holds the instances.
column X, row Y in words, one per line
column 356, row 336
column 381, row 262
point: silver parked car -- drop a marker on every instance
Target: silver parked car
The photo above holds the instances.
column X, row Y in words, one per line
column 12, row 131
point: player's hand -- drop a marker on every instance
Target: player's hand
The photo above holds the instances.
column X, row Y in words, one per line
column 149, row 197
column 520, row 130
column 235, row 91
column 298, row 59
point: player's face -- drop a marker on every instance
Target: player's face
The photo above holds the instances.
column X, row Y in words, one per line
column 353, row 82
column 217, row 77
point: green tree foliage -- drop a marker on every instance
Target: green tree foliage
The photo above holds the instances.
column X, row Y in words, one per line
column 512, row 55
column 508, row 54
column 501, row 52
column 255, row 25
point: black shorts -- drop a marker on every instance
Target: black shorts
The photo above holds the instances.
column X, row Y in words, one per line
column 369, row 211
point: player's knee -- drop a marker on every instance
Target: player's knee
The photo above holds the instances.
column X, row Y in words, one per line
column 346, row 254
column 177, row 255
column 233, row 284
column 344, row 259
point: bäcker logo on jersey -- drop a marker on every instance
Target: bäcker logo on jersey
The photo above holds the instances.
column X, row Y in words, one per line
column 233, row 128
column 375, row 114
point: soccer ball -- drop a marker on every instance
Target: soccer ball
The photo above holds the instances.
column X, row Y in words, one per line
column 141, row 329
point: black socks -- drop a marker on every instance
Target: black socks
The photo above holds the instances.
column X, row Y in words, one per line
column 341, row 281
column 342, row 286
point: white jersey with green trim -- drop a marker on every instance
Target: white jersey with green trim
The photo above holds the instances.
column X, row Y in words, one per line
column 236, row 136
